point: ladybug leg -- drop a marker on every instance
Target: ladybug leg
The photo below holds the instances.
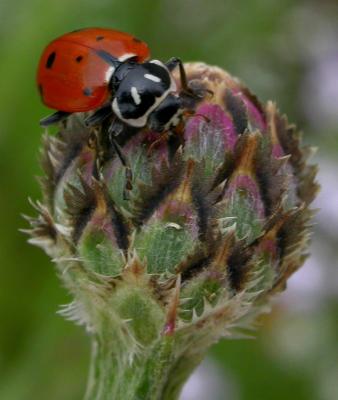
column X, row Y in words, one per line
column 99, row 115
column 54, row 118
column 93, row 143
column 197, row 93
column 171, row 65
column 163, row 137
column 114, row 130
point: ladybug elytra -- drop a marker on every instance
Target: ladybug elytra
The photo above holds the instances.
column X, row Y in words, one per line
column 109, row 72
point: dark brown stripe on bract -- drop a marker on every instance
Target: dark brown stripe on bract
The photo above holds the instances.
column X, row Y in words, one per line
column 237, row 110
column 272, row 183
column 70, row 154
column 120, row 226
column 202, row 208
column 163, row 183
column 193, row 265
column 80, row 206
column 238, row 266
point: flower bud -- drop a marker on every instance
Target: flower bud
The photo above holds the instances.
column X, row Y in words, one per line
column 216, row 221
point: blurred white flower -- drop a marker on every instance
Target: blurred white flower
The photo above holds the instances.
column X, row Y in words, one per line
column 319, row 50
column 327, row 199
column 320, row 92
column 209, row 382
column 317, row 281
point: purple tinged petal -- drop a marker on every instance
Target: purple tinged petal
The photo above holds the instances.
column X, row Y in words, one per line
column 277, row 151
column 220, row 125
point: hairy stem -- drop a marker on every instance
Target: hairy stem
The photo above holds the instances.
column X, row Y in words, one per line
column 155, row 374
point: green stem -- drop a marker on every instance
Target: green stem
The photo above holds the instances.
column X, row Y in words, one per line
column 156, row 374
column 179, row 374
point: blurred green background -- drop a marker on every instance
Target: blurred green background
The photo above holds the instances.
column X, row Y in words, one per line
column 284, row 50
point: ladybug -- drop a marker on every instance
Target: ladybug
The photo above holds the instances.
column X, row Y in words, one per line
column 110, row 73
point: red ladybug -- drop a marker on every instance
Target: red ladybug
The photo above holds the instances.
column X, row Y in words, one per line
column 109, row 72
column 73, row 78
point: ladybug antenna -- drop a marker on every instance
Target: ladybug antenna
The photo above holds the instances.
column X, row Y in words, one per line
column 108, row 58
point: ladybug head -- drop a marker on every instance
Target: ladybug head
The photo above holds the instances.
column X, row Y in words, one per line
column 144, row 93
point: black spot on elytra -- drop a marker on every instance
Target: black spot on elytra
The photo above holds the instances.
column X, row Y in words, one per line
column 136, row 40
column 79, row 59
column 50, row 60
column 98, row 38
column 87, row 91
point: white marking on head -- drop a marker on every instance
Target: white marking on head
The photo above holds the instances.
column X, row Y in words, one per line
column 152, row 78
column 173, row 86
column 109, row 73
column 126, row 56
column 158, row 62
column 115, row 107
column 136, row 122
column 135, row 95
column 174, row 120
column 142, row 120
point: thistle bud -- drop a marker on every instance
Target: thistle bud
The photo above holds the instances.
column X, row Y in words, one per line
column 215, row 222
